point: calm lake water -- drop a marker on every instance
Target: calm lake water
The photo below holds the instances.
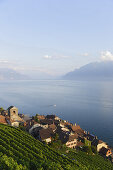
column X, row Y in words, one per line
column 89, row 104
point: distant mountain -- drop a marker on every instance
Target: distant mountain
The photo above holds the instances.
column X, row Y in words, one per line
column 92, row 71
column 10, row 74
column 37, row 75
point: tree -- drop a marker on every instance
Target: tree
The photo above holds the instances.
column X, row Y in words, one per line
column 94, row 150
column 1, row 109
column 87, row 149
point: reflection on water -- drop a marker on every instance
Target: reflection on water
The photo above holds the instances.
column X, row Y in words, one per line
column 89, row 104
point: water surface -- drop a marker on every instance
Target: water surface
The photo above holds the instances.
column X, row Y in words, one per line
column 89, row 104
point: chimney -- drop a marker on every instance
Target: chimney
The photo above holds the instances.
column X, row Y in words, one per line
column 96, row 137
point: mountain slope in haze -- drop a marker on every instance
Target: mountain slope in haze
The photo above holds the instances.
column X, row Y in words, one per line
column 92, row 71
column 10, row 74
column 37, row 75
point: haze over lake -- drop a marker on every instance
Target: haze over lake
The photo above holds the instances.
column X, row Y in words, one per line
column 88, row 104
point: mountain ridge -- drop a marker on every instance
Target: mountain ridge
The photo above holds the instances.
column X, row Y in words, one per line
column 92, row 71
column 10, row 74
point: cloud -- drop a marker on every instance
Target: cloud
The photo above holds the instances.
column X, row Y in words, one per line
column 85, row 54
column 48, row 57
column 54, row 57
column 4, row 61
column 106, row 56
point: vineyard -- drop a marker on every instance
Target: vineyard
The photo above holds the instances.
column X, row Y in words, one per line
column 90, row 161
column 19, row 150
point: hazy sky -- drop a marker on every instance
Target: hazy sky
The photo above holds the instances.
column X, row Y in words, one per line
column 55, row 36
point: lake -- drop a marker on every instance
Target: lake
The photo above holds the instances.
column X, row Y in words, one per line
column 89, row 104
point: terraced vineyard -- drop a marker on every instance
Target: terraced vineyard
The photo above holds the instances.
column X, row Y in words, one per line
column 19, row 150
column 92, row 161
column 28, row 153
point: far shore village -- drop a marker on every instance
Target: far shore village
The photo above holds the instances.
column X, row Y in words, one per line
column 44, row 128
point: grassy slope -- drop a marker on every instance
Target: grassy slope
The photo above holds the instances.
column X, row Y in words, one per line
column 19, row 150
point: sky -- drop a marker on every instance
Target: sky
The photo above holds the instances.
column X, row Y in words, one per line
column 55, row 36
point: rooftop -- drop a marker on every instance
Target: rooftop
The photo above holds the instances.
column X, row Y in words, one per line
column 3, row 119
column 45, row 133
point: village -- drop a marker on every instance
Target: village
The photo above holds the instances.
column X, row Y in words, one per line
column 47, row 128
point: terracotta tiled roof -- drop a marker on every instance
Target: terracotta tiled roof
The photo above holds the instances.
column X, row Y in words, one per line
column 65, row 123
column 74, row 128
column 52, row 126
column 100, row 141
column 3, row 119
column 41, row 117
column 65, row 137
column 80, row 132
column 72, row 137
column 80, row 144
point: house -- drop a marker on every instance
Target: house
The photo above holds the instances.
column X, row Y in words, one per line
column 99, row 144
column 21, row 115
column 4, row 112
column 62, row 125
column 14, row 123
column 77, row 129
column 3, row 119
column 53, row 117
column 90, row 137
column 105, row 152
column 72, row 141
column 40, row 117
column 65, row 129
column 37, row 125
column 57, row 118
column 50, row 117
column 63, row 136
column 12, row 111
column 13, row 119
column 65, row 124
column 53, row 127
column 67, row 137
column 45, row 135
column 46, row 121
column 35, row 132
column 29, row 124
column 79, row 145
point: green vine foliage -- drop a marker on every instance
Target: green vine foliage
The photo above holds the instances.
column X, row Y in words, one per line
column 20, row 151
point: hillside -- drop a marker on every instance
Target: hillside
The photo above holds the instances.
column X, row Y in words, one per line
column 19, row 150
column 92, row 71
column 10, row 74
